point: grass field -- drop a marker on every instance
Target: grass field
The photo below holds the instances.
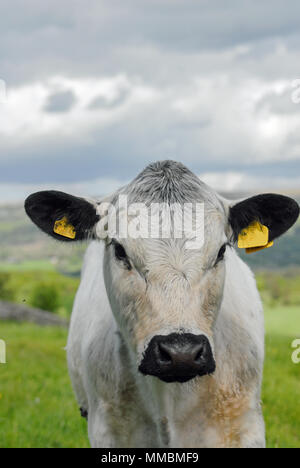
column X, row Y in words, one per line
column 28, row 265
column 37, row 407
column 281, row 384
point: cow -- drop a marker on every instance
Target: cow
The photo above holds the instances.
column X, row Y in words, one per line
column 166, row 343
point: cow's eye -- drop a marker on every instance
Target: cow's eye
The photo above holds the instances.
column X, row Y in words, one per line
column 221, row 253
column 121, row 255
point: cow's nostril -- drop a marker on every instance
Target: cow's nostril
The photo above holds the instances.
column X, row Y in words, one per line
column 199, row 353
column 164, row 354
column 190, row 354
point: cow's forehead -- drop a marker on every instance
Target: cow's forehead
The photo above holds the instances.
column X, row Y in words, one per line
column 171, row 186
column 153, row 254
column 169, row 182
column 214, row 224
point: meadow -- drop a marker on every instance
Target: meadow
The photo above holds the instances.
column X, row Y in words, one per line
column 37, row 406
column 38, row 409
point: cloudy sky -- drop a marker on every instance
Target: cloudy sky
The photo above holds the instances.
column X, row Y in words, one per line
column 93, row 91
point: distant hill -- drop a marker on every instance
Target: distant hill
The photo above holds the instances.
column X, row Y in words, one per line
column 23, row 246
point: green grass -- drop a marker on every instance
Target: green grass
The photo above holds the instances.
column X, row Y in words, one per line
column 20, row 287
column 37, row 405
column 38, row 409
column 281, row 384
column 281, row 390
column 28, row 265
column 283, row 321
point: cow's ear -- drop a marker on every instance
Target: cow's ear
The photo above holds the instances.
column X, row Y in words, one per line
column 277, row 212
column 62, row 216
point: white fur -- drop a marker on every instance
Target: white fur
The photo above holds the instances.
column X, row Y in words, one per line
column 126, row 409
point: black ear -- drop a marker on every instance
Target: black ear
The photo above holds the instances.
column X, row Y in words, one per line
column 277, row 212
column 45, row 208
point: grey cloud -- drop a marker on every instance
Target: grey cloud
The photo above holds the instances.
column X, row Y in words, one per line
column 123, row 161
column 164, row 43
column 107, row 37
column 102, row 102
column 60, row 102
column 279, row 104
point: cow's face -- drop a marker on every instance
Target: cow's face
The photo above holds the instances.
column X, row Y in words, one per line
column 165, row 297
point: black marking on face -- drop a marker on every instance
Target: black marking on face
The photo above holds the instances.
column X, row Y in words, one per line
column 221, row 254
column 83, row 413
column 120, row 254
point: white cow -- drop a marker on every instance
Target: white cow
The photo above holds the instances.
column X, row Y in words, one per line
column 166, row 344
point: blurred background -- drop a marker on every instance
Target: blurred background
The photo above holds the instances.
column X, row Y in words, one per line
column 90, row 93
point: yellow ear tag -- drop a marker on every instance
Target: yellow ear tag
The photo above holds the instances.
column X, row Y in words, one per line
column 63, row 228
column 254, row 236
column 256, row 249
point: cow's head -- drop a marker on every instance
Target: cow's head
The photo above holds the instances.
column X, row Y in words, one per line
column 165, row 297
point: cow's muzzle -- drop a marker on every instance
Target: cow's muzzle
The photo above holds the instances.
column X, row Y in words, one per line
column 178, row 357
